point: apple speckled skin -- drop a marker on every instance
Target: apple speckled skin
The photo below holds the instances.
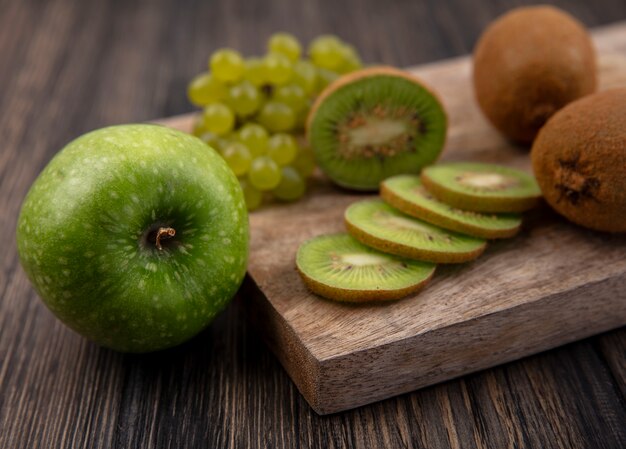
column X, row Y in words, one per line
column 87, row 236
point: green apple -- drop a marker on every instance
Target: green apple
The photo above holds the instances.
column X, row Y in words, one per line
column 135, row 236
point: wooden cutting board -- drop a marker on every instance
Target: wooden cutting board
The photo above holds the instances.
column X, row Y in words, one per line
column 552, row 284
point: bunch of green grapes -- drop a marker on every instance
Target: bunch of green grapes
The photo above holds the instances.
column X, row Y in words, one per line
column 254, row 111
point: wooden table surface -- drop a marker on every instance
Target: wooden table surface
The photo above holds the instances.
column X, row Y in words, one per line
column 69, row 66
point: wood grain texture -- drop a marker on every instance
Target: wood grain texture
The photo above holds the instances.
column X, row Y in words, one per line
column 552, row 284
column 69, row 66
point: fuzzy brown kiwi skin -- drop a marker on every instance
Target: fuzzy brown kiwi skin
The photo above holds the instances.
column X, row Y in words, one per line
column 365, row 73
column 520, row 82
column 427, row 215
column 408, row 251
column 360, row 296
column 579, row 161
column 470, row 202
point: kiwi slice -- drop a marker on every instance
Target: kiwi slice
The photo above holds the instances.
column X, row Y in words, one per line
column 407, row 194
column 375, row 123
column 482, row 187
column 376, row 224
column 339, row 267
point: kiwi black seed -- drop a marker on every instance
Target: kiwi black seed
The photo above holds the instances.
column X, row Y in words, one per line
column 528, row 64
column 482, row 187
column 579, row 159
column 339, row 267
column 375, row 123
column 376, row 224
column 407, row 194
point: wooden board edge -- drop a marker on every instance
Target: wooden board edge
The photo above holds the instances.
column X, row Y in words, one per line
column 380, row 368
column 282, row 339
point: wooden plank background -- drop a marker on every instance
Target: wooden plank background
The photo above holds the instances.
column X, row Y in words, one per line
column 68, row 66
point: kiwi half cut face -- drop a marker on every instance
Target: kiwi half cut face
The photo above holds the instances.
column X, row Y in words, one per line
column 482, row 187
column 407, row 194
column 339, row 267
column 375, row 123
column 376, row 224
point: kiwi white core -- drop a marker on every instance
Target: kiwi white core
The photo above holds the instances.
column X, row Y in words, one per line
column 486, row 181
column 376, row 132
column 362, row 260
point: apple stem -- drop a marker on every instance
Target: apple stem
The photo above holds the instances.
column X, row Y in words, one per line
column 165, row 233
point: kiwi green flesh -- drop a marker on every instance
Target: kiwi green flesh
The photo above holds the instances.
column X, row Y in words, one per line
column 482, row 187
column 376, row 224
column 376, row 127
column 408, row 194
column 339, row 267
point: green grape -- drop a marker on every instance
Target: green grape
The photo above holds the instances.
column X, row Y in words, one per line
column 218, row 119
column 252, row 196
column 205, row 89
column 304, row 162
column 278, row 68
column 286, row 44
column 282, row 148
column 227, row 65
column 211, row 139
column 254, row 137
column 264, row 173
column 292, row 95
column 351, row 60
column 292, row 185
column 238, row 158
column 305, row 76
column 244, row 98
column 324, row 78
column 198, row 126
column 255, row 71
column 277, row 117
column 301, row 118
column 218, row 143
column 326, row 52
column 222, row 144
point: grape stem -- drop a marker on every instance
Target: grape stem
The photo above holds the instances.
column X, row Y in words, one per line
column 164, row 233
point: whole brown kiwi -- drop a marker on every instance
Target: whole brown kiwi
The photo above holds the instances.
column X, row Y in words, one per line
column 579, row 160
column 528, row 64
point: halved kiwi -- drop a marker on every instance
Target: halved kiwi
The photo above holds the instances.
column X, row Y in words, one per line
column 482, row 187
column 339, row 267
column 375, row 123
column 407, row 194
column 376, row 224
